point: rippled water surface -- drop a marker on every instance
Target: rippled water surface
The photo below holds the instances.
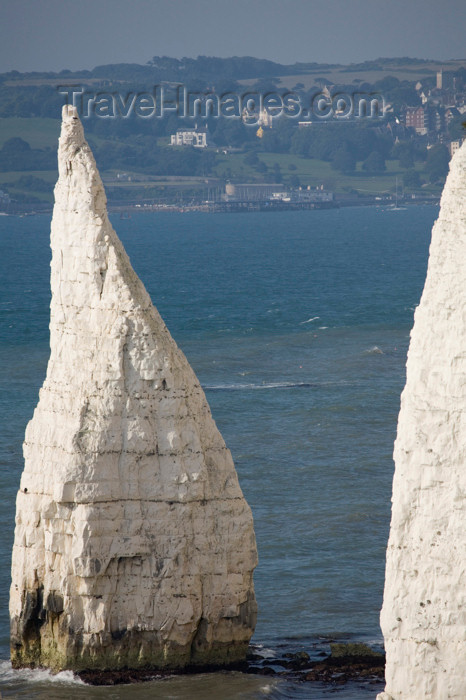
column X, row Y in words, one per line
column 297, row 324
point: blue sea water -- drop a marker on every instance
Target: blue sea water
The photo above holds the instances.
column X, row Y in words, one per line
column 297, row 325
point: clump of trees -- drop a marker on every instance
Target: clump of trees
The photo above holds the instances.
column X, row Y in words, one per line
column 17, row 154
column 437, row 163
column 374, row 163
column 412, row 179
column 344, row 161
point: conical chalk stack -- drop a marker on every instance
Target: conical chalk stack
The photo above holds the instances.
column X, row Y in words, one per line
column 134, row 546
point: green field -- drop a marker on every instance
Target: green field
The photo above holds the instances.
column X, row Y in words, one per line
column 38, row 132
column 353, row 74
column 314, row 173
column 11, row 176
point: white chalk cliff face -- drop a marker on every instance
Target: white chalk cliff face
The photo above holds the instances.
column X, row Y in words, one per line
column 424, row 610
column 134, row 545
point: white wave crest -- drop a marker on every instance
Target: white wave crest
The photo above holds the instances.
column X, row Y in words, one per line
column 374, row 351
column 39, row 675
column 254, row 387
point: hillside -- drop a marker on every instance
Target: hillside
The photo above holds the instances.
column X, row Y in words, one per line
column 348, row 156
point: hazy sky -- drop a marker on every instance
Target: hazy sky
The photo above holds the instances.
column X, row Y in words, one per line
column 58, row 34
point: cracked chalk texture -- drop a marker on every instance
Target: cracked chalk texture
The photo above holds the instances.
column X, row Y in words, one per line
column 424, row 610
column 134, row 545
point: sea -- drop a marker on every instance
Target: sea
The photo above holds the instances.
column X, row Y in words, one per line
column 297, row 325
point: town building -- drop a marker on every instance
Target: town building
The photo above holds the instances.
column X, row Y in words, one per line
column 261, row 192
column 417, row 118
column 304, row 195
column 435, row 120
column 261, row 117
column 455, row 146
column 198, row 137
column 450, row 114
column 251, row 191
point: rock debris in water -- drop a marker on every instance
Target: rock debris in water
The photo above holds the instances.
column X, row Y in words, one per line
column 424, row 609
column 134, row 546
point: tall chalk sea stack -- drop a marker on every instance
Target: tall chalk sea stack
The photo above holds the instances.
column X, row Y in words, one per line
column 134, row 546
column 424, row 609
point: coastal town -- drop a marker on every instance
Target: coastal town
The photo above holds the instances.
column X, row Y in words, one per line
column 292, row 142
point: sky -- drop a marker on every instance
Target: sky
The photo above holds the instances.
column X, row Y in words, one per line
column 52, row 35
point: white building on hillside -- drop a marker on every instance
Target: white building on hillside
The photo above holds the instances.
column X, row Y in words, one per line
column 197, row 137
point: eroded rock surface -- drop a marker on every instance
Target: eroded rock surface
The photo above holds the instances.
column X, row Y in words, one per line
column 134, row 545
column 424, row 610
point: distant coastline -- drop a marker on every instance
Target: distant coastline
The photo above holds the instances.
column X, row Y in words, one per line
column 25, row 209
